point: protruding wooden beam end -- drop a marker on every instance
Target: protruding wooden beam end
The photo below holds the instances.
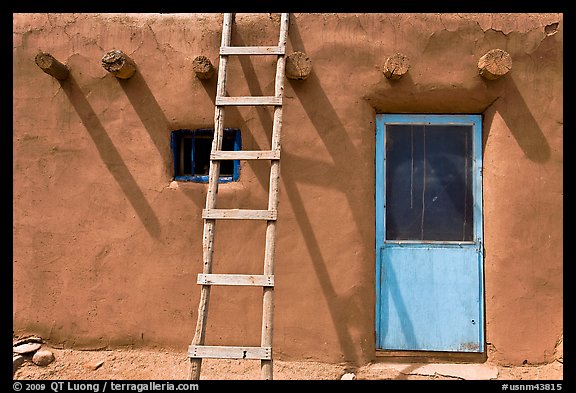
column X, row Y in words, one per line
column 298, row 66
column 494, row 64
column 51, row 66
column 202, row 67
column 396, row 66
column 119, row 64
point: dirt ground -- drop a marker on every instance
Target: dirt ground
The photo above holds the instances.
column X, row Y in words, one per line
column 146, row 364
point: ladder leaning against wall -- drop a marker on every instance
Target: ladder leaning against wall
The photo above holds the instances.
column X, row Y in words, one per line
column 197, row 350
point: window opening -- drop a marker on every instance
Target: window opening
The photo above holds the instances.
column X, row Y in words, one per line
column 191, row 154
column 429, row 182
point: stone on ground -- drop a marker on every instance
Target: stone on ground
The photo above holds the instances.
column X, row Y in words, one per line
column 26, row 348
column 43, row 357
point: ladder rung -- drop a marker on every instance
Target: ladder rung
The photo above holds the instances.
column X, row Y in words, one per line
column 245, row 155
column 257, row 100
column 239, row 214
column 220, row 352
column 264, row 280
column 252, row 50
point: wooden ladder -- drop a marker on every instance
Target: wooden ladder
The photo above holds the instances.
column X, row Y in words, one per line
column 197, row 350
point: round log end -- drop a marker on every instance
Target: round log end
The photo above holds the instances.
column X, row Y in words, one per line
column 202, row 67
column 494, row 64
column 396, row 66
column 118, row 64
column 51, row 66
column 44, row 60
column 298, row 66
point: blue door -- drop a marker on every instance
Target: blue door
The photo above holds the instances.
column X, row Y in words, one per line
column 429, row 254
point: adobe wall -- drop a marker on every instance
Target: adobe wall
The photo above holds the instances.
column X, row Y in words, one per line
column 106, row 253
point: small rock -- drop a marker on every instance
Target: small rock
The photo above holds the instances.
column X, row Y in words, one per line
column 95, row 365
column 26, row 340
column 26, row 348
column 17, row 361
column 173, row 185
column 348, row 377
column 43, row 357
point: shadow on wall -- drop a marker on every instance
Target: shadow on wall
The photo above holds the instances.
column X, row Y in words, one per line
column 110, row 156
column 311, row 94
column 392, row 295
column 232, row 114
column 343, row 311
column 150, row 114
column 519, row 120
column 417, row 99
column 501, row 95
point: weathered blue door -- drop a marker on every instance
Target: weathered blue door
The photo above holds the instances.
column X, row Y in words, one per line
column 429, row 254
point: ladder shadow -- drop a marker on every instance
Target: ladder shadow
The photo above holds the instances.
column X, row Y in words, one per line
column 391, row 293
column 342, row 310
column 345, row 312
column 110, row 156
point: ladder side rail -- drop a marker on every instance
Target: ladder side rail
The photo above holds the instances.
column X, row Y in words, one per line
column 266, row 366
column 209, row 224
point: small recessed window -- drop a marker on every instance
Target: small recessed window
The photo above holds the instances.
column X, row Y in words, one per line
column 191, row 155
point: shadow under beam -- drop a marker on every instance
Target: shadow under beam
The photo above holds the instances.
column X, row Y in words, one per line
column 111, row 157
column 510, row 105
column 521, row 123
column 150, row 114
column 335, row 137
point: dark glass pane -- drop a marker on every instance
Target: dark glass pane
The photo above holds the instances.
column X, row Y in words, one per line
column 202, row 149
column 429, row 182
column 227, row 166
column 186, row 161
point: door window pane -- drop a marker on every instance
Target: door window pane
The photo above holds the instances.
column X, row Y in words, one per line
column 429, row 182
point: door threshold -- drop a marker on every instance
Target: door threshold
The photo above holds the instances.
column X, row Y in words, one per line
column 391, row 356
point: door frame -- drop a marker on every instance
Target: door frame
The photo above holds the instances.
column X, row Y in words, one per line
column 475, row 120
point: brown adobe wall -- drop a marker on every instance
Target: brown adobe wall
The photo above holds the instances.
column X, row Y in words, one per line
column 106, row 253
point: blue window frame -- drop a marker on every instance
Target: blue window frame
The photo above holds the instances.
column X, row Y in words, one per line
column 191, row 154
